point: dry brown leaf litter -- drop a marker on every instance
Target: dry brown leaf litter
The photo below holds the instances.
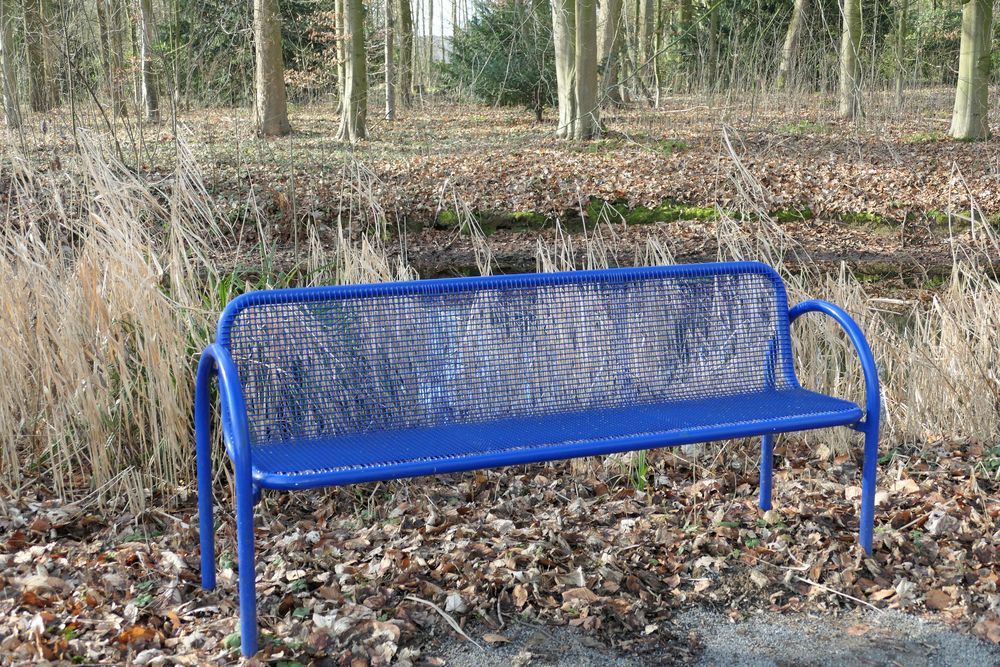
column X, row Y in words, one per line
column 365, row 575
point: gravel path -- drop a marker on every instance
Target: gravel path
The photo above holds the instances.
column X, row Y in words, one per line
column 705, row 638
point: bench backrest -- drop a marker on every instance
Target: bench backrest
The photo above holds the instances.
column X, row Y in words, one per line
column 327, row 361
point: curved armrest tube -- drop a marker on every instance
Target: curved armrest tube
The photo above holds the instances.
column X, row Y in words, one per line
column 853, row 331
column 215, row 359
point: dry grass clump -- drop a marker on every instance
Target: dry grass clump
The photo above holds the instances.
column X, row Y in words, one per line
column 102, row 314
column 109, row 294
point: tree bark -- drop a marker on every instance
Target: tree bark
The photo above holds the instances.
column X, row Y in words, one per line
column 850, row 62
column 340, row 16
column 645, row 27
column 390, row 74
column 713, row 45
column 681, row 48
column 111, row 18
column 354, row 110
column 564, row 36
column 105, row 40
column 53, row 54
column 588, row 121
column 790, row 50
column 405, row 52
column 970, row 120
column 272, row 104
column 34, row 53
column 430, row 40
column 610, row 48
column 12, row 114
column 901, row 29
column 147, row 31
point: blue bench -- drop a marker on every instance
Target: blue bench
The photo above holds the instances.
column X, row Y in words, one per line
column 342, row 385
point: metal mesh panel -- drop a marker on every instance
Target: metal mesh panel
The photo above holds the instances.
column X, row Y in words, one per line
column 327, row 362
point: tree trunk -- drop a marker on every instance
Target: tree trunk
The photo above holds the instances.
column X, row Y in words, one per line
column 53, row 55
column 405, row 52
column 970, row 118
column 105, row 40
column 9, row 80
column 657, row 47
column 850, row 62
column 713, row 45
column 564, row 36
column 645, row 51
column 147, row 28
column 681, row 50
column 610, row 47
column 355, row 106
column 34, row 50
column 901, row 29
column 272, row 105
column 790, row 51
column 430, row 40
column 390, row 74
column 340, row 16
column 588, row 121
column 117, row 18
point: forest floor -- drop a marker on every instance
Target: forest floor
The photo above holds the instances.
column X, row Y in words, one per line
column 686, row 570
column 889, row 191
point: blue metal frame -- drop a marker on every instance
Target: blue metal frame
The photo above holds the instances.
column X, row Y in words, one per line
column 216, row 362
column 869, row 426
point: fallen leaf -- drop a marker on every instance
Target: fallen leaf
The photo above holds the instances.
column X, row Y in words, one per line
column 937, row 599
column 580, row 595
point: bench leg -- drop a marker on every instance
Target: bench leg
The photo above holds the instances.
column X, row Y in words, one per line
column 766, row 470
column 248, row 568
column 867, row 528
column 203, row 452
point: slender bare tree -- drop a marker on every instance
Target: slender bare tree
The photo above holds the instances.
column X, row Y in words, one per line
column 588, row 120
column 34, row 52
column 430, row 40
column 12, row 113
column 850, row 61
column 52, row 52
column 405, row 68
column 646, row 27
column 147, row 77
column 354, row 108
column 610, row 25
column 713, row 43
column 390, row 74
column 272, row 104
column 340, row 16
column 564, row 36
column 902, row 27
column 970, row 118
column 793, row 36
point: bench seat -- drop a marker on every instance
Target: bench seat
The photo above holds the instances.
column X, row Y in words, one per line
column 386, row 455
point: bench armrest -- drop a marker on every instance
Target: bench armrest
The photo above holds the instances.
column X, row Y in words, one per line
column 215, row 361
column 853, row 331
